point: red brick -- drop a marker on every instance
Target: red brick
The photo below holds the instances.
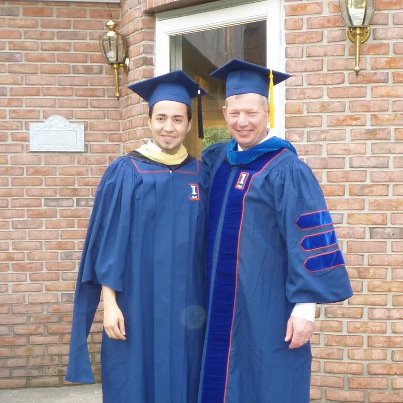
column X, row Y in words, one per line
column 385, row 397
column 385, row 286
column 340, row 204
column 368, row 300
column 347, row 176
column 367, row 272
column 396, row 219
column 29, row 329
column 48, row 381
column 304, row 9
column 369, row 106
column 327, row 353
column 397, row 328
column 44, row 340
column 338, row 311
column 302, row 121
column 367, row 383
column 323, row 107
column 385, row 313
column 367, row 354
column 13, row 341
column 294, row 24
column 394, row 119
column 346, row 149
column 27, row 288
column 344, row 396
column 31, row 308
column 385, row 369
column 385, row 176
column 60, row 286
column 327, row 381
column 325, row 51
column 387, row 92
column 343, row 340
column 369, row 162
column 367, row 327
column 315, row 394
column 10, row 383
column 385, row 260
column 347, row 92
column 368, row 190
column 397, row 355
column 344, row 368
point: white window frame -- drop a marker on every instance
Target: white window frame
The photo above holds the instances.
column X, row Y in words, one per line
column 221, row 14
column 74, row 1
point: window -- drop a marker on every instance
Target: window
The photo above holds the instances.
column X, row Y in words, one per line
column 208, row 36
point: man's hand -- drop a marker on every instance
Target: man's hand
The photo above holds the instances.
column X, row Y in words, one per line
column 299, row 332
column 114, row 323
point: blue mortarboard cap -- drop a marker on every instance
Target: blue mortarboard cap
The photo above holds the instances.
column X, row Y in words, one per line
column 243, row 77
column 175, row 86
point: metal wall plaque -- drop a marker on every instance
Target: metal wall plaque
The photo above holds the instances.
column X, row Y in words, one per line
column 56, row 134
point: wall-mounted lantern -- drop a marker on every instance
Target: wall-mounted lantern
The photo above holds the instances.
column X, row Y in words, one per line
column 114, row 48
column 357, row 14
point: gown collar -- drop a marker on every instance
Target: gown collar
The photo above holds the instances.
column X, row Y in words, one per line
column 267, row 145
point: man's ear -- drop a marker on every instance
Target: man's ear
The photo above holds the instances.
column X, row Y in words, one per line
column 149, row 122
column 224, row 112
column 189, row 126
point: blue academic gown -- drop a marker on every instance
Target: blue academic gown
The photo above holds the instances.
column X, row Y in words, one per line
column 271, row 244
column 146, row 241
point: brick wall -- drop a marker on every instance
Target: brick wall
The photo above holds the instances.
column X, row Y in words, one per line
column 50, row 64
column 348, row 129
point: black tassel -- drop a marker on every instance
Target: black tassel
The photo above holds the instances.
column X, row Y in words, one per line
column 199, row 115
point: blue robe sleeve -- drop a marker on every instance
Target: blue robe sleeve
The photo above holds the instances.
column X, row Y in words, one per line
column 316, row 269
column 107, row 239
column 102, row 261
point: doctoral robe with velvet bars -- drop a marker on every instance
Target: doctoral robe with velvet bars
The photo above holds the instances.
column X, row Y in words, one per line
column 146, row 241
column 271, row 244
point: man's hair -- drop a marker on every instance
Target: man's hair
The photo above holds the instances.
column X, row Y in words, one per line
column 265, row 101
column 188, row 112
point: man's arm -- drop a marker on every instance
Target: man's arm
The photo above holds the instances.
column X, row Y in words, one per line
column 300, row 325
column 114, row 323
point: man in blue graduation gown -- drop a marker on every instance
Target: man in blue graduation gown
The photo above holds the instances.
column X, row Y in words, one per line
column 145, row 251
column 272, row 254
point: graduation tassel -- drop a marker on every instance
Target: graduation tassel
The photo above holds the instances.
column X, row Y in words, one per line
column 271, row 100
column 199, row 115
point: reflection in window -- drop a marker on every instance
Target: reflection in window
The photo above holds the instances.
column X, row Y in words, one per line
column 200, row 53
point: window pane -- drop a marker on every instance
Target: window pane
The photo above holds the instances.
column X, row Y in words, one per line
column 200, row 53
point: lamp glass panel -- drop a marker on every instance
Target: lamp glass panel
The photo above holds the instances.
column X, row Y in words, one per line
column 369, row 12
column 114, row 48
column 357, row 13
column 108, row 47
column 121, row 48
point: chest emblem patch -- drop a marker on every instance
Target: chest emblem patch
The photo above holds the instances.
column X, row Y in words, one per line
column 242, row 179
column 194, row 191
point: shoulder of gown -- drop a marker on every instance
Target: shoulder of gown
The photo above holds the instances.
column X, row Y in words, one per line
column 316, row 266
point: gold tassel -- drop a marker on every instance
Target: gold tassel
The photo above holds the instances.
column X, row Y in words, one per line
column 271, row 100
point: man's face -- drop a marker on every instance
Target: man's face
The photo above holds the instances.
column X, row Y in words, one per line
column 169, row 125
column 246, row 117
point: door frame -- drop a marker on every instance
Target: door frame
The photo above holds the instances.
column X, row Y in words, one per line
column 221, row 14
